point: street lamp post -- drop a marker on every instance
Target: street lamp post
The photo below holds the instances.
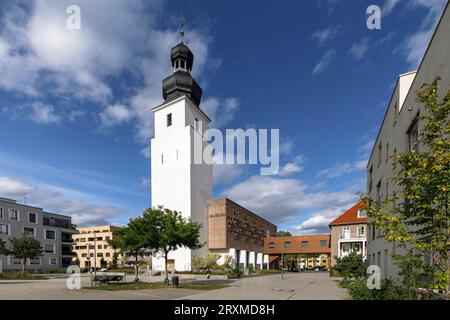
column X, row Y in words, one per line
column 282, row 256
column 95, row 255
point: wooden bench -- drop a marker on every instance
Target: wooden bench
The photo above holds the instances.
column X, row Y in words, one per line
column 107, row 277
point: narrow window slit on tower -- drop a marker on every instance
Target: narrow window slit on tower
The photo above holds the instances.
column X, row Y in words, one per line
column 169, row 119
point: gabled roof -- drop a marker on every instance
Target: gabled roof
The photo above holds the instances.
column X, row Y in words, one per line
column 350, row 216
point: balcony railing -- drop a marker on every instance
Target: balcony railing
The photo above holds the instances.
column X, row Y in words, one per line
column 351, row 236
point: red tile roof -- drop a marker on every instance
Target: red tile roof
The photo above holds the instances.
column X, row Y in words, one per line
column 350, row 216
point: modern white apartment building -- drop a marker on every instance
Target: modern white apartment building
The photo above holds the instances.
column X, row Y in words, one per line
column 53, row 231
column 399, row 133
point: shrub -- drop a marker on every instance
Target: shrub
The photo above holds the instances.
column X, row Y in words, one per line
column 235, row 273
column 351, row 266
column 358, row 290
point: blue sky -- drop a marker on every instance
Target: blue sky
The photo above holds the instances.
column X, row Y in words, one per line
column 75, row 105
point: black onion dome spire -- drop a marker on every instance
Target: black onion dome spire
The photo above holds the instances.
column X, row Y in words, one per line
column 181, row 83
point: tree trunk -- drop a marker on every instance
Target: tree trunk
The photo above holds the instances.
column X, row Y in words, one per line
column 166, row 280
column 23, row 265
column 136, row 271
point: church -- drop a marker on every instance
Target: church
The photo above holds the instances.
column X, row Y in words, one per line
column 181, row 183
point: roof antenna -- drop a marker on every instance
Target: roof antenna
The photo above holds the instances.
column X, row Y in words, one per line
column 182, row 21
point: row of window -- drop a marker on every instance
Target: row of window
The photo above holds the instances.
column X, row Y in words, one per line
column 92, row 239
column 14, row 215
column 5, row 229
column 304, row 244
column 99, row 255
column 37, row 261
column 99, row 246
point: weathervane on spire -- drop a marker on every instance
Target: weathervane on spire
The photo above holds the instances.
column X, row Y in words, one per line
column 182, row 21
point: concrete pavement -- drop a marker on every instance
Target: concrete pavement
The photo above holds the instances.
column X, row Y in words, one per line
column 295, row 286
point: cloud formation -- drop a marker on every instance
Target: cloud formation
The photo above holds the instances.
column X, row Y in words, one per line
column 324, row 62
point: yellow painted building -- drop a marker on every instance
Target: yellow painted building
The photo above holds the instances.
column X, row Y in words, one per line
column 92, row 248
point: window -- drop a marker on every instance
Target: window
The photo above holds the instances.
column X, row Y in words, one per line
column 387, row 152
column 1, row 213
column 14, row 215
column 53, row 261
column 107, row 254
column 49, row 248
column 105, row 246
column 50, row 234
column 287, row 244
column 92, row 247
column 379, row 192
column 380, row 147
column 197, row 124
column 361, row 231
column 394, row 161
column 100, row 255
column 305, row 244
column 373, row 233
column 107, row 238
column 82, row 239
column 29, row 231
column 413, row 136
column 32, row 217
column 361, row 214
column 162, row 158
column 91, row 255
column 323, row 243
column 36, row 261
column 370, row 178
column 271, row 244
column 169, row 119
column 345, row 247
column 4, row 229
column 99, row 246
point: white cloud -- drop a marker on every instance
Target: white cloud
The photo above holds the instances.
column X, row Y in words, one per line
column 295, row 166
column 60, row 200
column 44, row 114
column 221, row 112
column 324, row 61
column 13, row 188
column 323, row 36
column 359, row 49
column 115, row 115
column 319, row 220
column 416, row 44
column 388, row 6
column 343, row 168
column 279, row 199
column 226, row 173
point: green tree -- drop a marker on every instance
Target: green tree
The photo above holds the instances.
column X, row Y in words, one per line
column 168, row 230
column 3, row 249
column 131, row 239
column 414, row 272
column 422, row 220
column 283, row 234
column 24, row 248
column 115, row 259
column 351, row 266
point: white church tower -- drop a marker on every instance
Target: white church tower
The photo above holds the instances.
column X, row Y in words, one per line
column 177, row 183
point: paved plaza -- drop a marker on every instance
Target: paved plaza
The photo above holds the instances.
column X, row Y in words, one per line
column 295, row 286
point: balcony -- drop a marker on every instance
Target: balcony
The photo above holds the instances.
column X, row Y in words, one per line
column 352, row 236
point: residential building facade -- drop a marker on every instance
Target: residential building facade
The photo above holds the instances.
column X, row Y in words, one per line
column 54, row 232
column 399, row 133
column 313, row 250
column 349, row 233
column 92, row 248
